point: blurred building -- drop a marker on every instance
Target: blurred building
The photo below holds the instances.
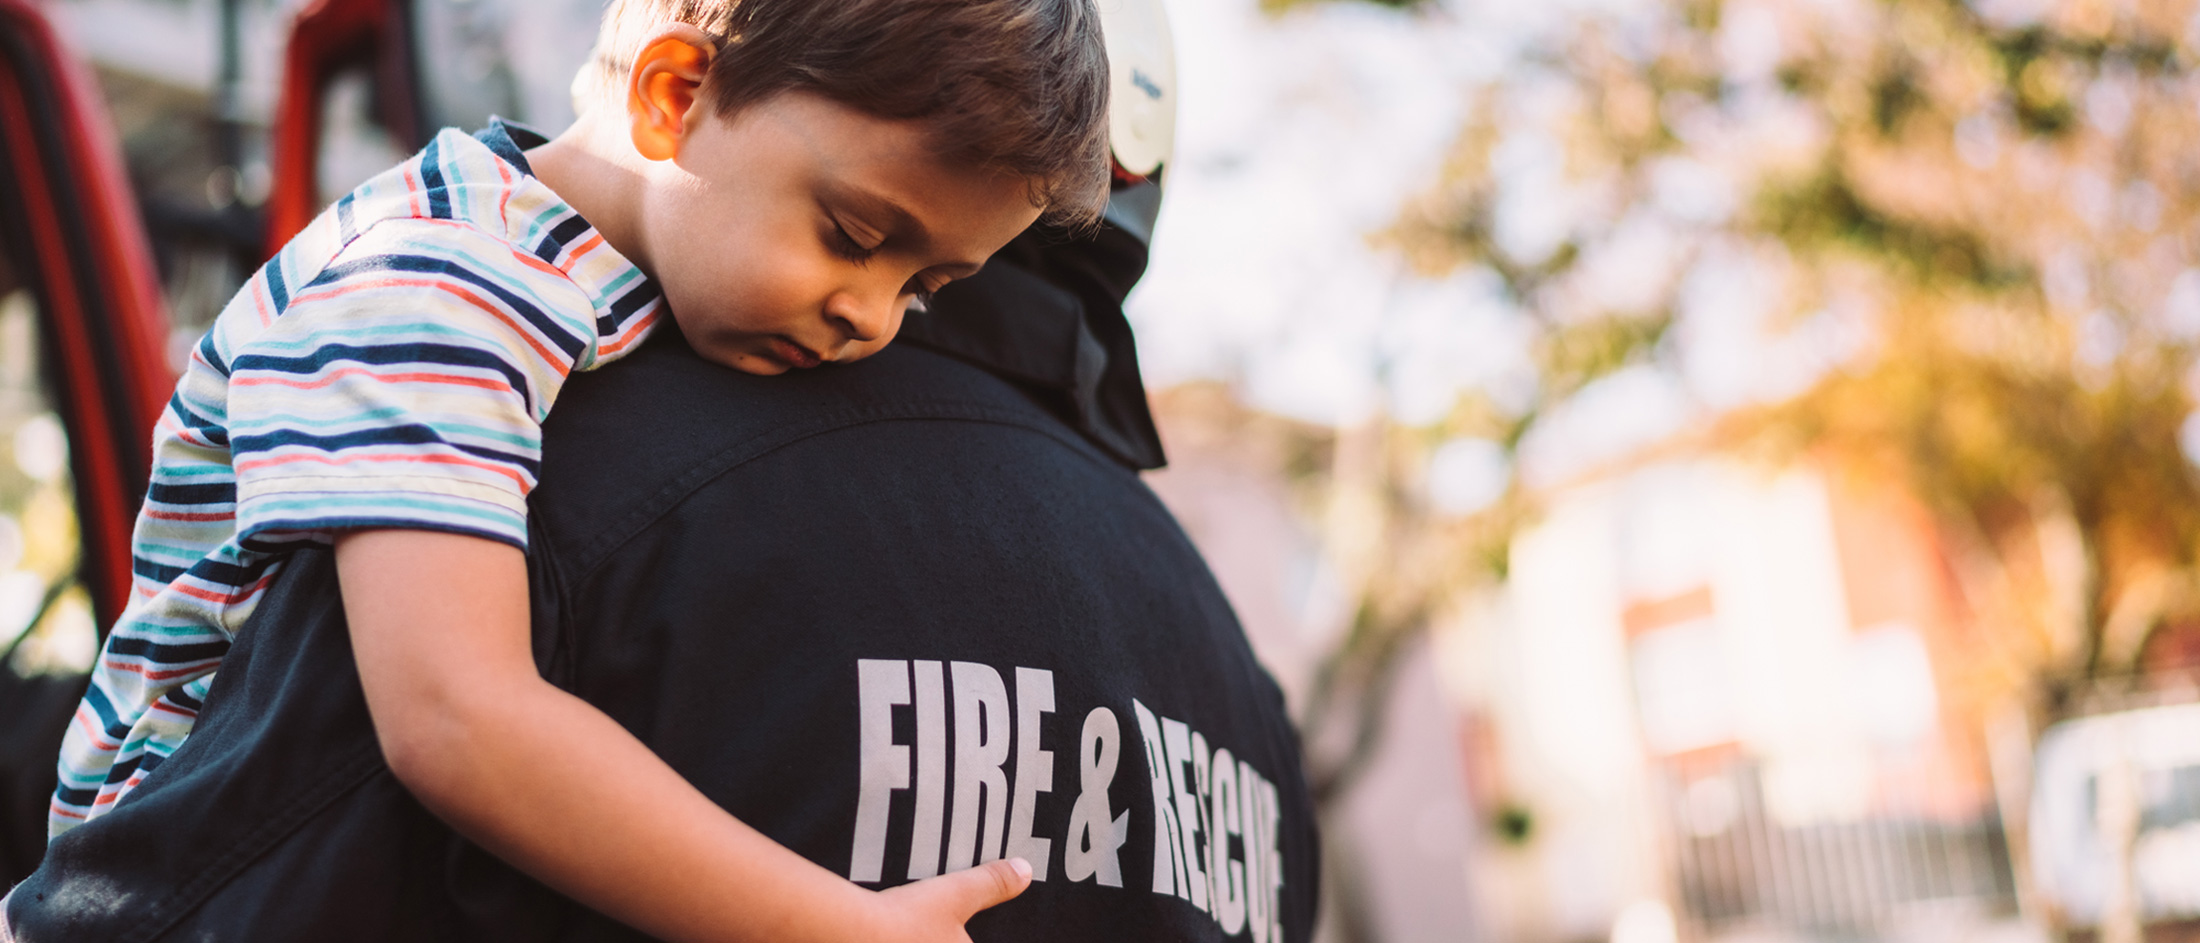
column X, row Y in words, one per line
column 1723, row 701
column 1752, row 676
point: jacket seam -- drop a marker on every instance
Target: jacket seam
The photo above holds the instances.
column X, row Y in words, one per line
column 217, row 873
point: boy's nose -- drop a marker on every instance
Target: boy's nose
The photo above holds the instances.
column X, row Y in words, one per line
column 863, row 316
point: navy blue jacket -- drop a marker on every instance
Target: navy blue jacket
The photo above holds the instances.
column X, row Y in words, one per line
column 897, row 615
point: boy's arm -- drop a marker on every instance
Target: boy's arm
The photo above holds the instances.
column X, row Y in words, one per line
column 439, row 625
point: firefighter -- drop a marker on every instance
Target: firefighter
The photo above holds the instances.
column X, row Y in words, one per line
column 904, row 616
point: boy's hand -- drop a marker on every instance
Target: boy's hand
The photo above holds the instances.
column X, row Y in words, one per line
column 934, row 910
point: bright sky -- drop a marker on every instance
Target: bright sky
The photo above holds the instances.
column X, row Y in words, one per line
column 1302, row 137
column 1298, row 138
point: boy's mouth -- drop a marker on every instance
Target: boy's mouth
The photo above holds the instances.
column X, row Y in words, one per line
column 793, row 354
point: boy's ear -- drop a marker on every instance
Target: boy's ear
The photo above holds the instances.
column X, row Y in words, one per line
column 662, row 87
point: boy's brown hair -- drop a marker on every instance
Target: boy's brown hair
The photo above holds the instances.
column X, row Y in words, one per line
column 1018, row 85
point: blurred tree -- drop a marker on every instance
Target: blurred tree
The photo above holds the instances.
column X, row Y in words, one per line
column 1983, row 220
column 1954, row 243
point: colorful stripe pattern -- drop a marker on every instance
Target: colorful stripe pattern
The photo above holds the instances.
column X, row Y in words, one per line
column 391, row 367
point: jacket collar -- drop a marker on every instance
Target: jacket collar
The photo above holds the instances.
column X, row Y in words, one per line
column 1047, row 312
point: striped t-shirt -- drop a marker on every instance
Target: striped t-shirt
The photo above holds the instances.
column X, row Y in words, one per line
column 391, row 367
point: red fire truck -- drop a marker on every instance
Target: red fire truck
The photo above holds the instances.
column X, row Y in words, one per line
column 82, row 331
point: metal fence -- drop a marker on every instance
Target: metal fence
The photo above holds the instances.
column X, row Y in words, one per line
column 1736, row 866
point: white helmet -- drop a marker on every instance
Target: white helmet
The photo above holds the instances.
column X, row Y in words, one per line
column 1141, row 86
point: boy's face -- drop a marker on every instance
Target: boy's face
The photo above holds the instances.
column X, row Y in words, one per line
column 799, row 230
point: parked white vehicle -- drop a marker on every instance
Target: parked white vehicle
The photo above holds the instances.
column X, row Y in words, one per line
column 2152, row 758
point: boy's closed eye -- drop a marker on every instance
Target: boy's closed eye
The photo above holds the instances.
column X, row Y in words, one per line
column 845, row 245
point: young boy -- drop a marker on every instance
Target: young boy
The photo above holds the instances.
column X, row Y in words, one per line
column 782, row 177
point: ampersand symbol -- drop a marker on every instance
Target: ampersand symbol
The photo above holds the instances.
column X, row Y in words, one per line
column 1093, row 835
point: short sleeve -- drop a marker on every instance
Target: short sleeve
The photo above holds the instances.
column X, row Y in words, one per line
column 404, row 387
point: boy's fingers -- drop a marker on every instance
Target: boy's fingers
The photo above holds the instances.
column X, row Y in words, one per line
column 967, row 892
